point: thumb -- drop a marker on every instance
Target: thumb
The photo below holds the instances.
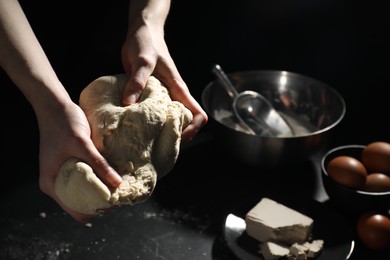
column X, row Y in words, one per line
column 103, row 170
column 135, row 85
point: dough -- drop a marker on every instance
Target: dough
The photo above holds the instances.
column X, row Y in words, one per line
column 141, row 142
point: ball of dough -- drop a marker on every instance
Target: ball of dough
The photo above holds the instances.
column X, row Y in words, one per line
column 140, row 141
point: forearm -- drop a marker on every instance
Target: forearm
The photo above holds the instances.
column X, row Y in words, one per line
column 150, row 12
column 23, row 59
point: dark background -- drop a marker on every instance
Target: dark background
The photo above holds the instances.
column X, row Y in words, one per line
column 342, row 43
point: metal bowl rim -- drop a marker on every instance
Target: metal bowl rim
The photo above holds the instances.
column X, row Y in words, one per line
column 278, row 72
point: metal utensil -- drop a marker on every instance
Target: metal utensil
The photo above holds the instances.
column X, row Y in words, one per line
column 253, row 111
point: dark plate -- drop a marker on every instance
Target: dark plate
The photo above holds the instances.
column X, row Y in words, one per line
column 328, row 225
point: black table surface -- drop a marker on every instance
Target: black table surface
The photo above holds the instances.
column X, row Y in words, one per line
column 183, row 219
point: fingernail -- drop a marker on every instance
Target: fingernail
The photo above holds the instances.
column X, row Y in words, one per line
column 131, row 99
column 117, row 179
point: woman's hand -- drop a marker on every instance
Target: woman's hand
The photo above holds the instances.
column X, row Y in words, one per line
column 145, row 53
column 65, row 133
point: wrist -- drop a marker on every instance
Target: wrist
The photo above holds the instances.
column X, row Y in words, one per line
column 151, row 14
column 48, row 97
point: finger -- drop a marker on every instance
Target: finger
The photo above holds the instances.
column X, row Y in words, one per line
column 131, row 92
column 180, row 92
column 194, row 127
column 168, row 74
column 104, row 171
column 100, row 166
column 136, row 84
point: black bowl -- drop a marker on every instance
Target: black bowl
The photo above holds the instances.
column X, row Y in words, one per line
column 351, row 200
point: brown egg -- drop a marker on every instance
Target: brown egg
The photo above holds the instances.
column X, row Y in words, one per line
column 376, row 157
column 373, row 230
column 377, row 182
column 347, row 171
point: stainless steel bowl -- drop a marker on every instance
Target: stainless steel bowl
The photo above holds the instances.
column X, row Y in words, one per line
column 312, row 108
